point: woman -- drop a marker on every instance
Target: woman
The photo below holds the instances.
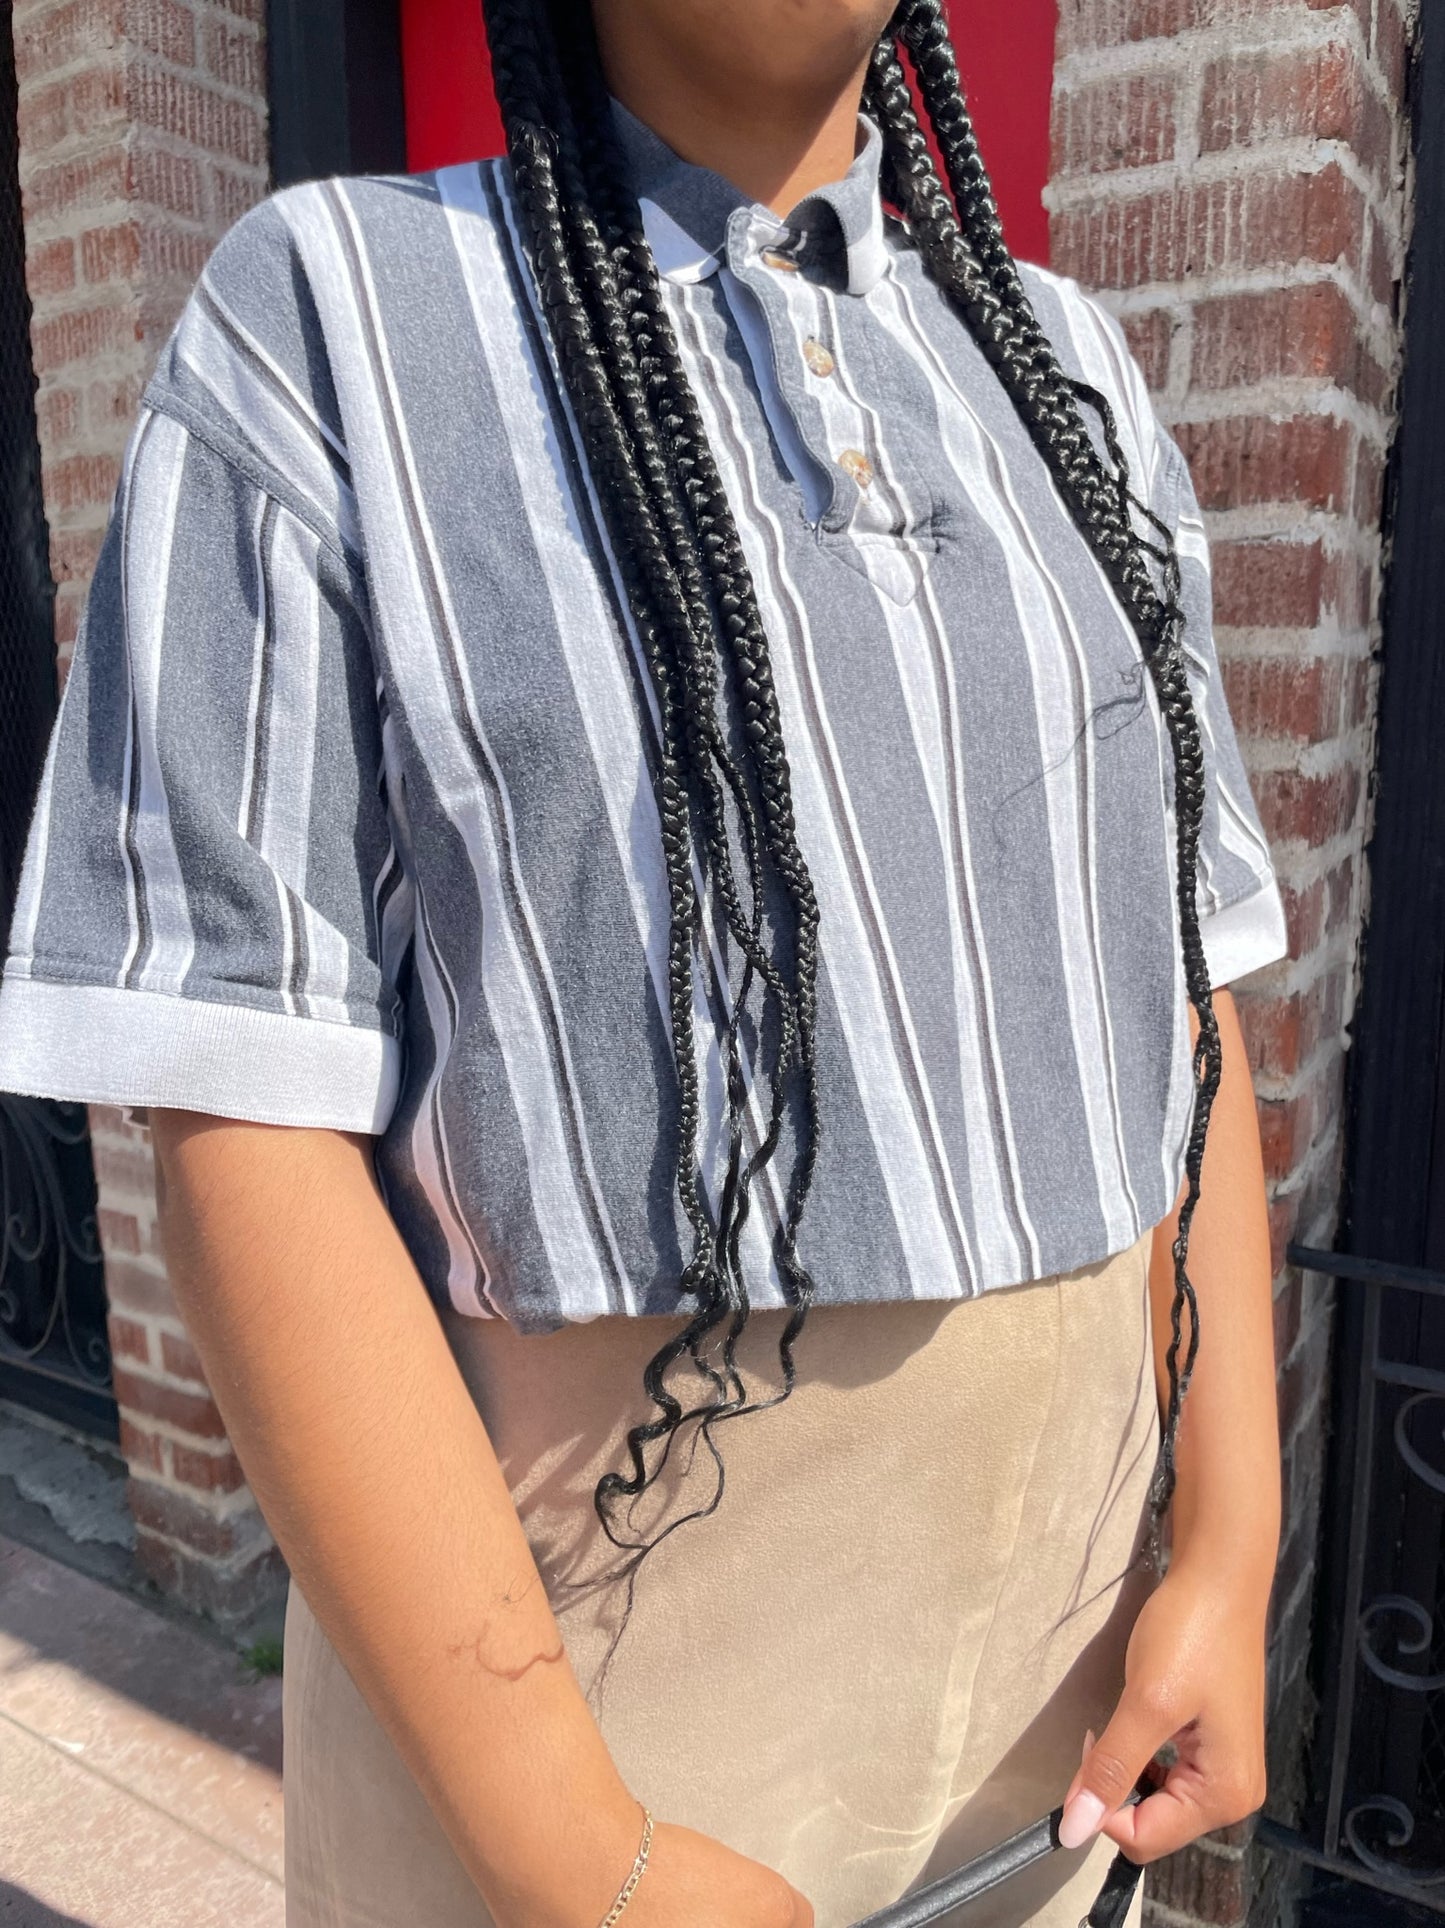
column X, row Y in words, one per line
column 625, row 784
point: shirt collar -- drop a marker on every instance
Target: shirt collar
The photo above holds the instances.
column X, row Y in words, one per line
column 687, row 211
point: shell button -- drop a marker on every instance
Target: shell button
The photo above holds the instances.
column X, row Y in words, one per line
column 855, row 463
column 819, row 359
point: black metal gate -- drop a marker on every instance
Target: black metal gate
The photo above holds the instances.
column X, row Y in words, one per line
column 54, row 1355
column 1378, row 1819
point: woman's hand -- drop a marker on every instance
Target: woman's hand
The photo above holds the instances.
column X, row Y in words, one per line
column 1194, row 1682
column 691, row 1878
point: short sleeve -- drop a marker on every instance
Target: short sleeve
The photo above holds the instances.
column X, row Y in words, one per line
column 1241, row 915
column 207, row 917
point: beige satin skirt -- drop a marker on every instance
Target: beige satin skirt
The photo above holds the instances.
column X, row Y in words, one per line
column 877, row 1658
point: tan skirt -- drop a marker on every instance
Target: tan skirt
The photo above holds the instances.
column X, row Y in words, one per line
column 876, row 1659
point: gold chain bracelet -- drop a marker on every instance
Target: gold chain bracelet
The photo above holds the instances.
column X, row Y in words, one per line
column 639, row 1869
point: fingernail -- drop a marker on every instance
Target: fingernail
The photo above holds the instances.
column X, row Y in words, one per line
column 1081, row 1820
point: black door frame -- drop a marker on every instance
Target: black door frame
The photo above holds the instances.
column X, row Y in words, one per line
column 1395, row 1204
column 334, row 81
column 54, row 1353
column 1384, row 1523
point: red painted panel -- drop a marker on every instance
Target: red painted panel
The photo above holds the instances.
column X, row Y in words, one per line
column 451, row 114
column 1006, row 53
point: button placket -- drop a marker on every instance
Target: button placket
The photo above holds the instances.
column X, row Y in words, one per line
column 776, row 292
column 886, row 535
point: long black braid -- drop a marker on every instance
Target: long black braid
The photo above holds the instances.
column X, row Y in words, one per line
column 719, row 764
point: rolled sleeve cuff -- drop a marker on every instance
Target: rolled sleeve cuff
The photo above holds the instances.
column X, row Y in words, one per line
column 97, row 1044
column 1245, row 935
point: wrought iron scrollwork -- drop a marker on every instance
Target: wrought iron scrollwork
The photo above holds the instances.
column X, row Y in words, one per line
column 1381, row 1815
column 1413, row 1458
column 1399, row 1830
column 54, row 1351
column 1420, row 1642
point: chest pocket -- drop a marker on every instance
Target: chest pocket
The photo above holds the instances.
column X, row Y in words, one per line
column 882, row 533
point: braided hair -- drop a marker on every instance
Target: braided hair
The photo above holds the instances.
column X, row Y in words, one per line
column 719, row 766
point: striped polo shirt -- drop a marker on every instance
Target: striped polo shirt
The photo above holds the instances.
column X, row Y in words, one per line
column 347, row 819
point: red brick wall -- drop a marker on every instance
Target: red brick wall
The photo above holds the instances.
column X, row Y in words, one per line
column 142, row 137
column 1231, row 173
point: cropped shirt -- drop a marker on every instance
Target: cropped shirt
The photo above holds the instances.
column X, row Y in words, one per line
column 346, row 820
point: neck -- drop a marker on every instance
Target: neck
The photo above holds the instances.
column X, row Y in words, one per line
column 777, row 143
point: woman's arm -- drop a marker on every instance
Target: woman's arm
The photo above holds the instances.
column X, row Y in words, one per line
column 1195, row 1673
column 376, row 1475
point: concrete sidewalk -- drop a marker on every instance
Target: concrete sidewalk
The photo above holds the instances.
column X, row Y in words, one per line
column 140, row 1764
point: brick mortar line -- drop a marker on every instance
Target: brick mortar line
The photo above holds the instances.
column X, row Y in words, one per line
column 1258, row 32
column 96, row 297
column 144, row 58
column 1297, row 155
column 1297, row 1598
column 1197, row 48
column 1307, row 974
column 87, row 142
column 1322, row 759
column 167, row 1429
column 141, row 1422
column 1291, row 976
column 1179, row 385
column 1310, row 1423
column 124, row 57
column 1189, row 113
column 1316, row 1340
column 1221, row 1850
column 1181, row 298
column 1294, row 1197
column 1303, row 867
column 221, row 1508
column 1301, row 977
column 183, row 149
column 1167, row 1917
column 1256, row 522
column 1317, row 1317
column 126, row 60
column 1238, row 643
column 1282, row 1091
column 156, row 1324
column 158, row 1375
column 37, row 16
column 227, row 1565
column 1283, row 399
column 138, row 141
column 71, row 223
column 153, row 1422
column 1320, row 1222
column 1316, row 862
column 84, row 146
column 122, row 1200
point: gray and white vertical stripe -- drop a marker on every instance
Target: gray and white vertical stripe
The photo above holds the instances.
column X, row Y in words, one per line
column 347, row 820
